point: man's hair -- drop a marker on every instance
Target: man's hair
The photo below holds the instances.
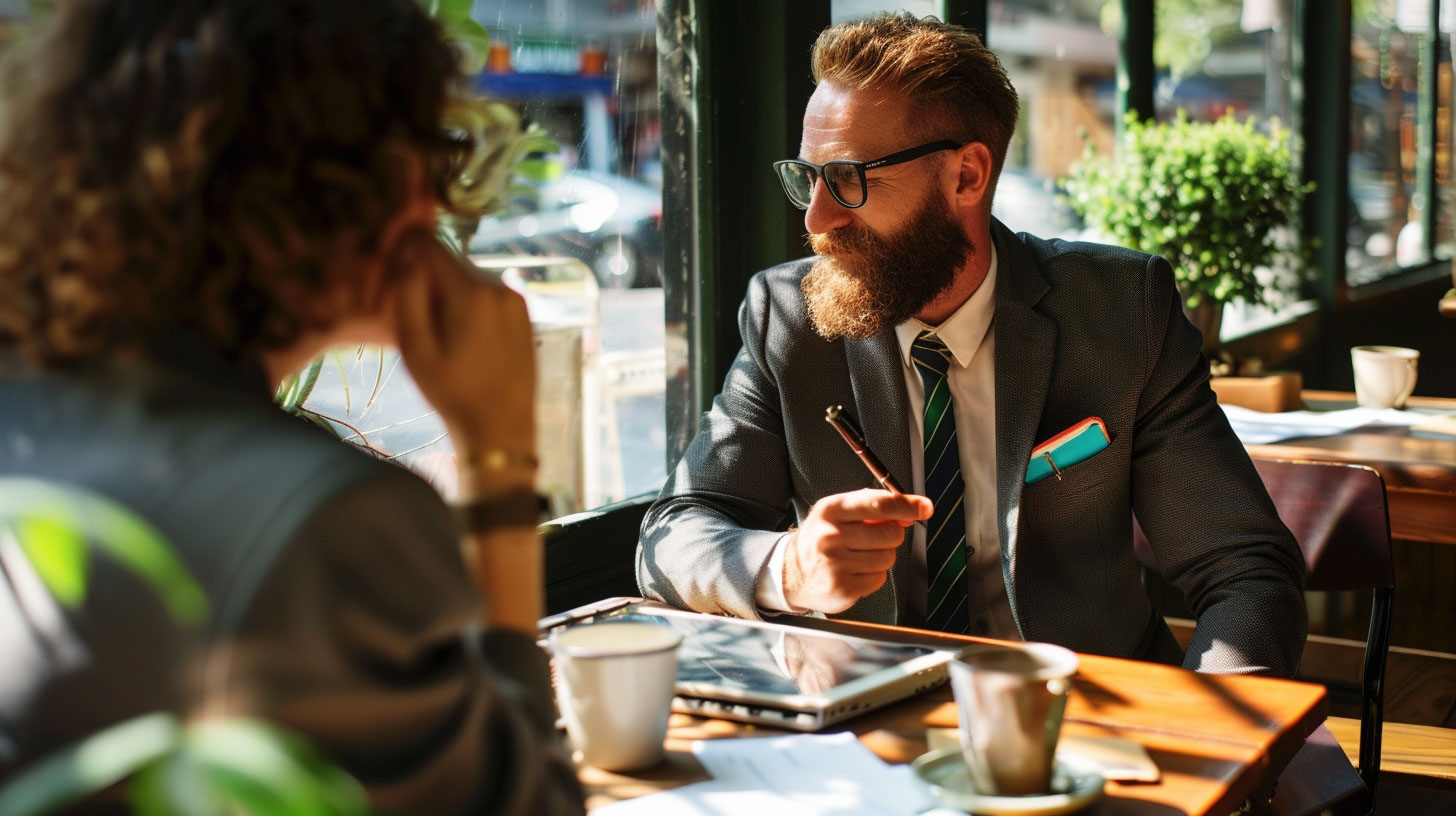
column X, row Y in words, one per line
column 956, row 86
column 202, row 164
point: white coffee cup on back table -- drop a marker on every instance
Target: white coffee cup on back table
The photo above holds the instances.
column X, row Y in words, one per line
column 1010, row 700
column 615, row 682
column 1385, row 376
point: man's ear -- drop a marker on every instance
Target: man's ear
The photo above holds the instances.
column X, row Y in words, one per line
column 975, row 174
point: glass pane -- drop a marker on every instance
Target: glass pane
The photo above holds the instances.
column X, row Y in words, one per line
column 1064, row 67
column 1445, row 136
column 1219, row 56
column 1216, row 57
column 581, row 238
column 842, row 10
column 1386, row 229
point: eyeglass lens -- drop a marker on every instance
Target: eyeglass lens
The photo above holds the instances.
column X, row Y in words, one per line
column 841, row 177
column 843, row 181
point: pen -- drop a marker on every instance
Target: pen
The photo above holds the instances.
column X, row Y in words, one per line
column 835, row 415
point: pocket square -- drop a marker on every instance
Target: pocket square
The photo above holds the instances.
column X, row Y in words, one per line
column 1067, row 448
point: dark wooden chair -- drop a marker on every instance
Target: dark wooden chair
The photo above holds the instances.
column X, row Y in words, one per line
column 592, row 555
column 1338, row 514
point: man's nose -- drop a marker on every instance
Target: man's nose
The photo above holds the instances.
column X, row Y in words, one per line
column 825, row 213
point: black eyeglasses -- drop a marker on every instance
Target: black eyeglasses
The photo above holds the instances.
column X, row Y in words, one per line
column 844, row 178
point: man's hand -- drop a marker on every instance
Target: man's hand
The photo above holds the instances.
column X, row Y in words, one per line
column 845, row 546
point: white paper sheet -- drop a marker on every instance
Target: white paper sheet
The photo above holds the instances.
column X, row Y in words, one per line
column 800, row 775
column 1259, row 428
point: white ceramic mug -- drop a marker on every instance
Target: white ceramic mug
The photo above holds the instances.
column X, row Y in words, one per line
column 1010, row 700
column 1385, row 376
column 615, row 682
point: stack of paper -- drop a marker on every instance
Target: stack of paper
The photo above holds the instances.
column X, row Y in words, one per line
column 801, row 775
column 1256, row 428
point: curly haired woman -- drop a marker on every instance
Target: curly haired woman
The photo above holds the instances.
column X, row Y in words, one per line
column 196, row 197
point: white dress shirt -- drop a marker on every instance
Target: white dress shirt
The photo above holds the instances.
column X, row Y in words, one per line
column 970, row 336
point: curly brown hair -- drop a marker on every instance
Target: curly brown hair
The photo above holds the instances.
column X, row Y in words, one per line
column 198, row 164
column 961, row 90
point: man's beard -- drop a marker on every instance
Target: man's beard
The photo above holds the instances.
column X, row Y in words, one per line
column 863, row 284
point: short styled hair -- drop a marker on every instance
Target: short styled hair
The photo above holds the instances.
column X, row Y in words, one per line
column 955, row 84
column 201, row 165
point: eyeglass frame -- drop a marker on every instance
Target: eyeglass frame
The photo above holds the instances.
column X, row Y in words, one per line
column 898, row 157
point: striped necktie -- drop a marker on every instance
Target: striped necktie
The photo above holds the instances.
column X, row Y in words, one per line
column 945, row 535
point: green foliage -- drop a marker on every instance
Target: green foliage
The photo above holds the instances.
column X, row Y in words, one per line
column 503, row 151
column 1185, row 31
column 1218, row 200
column 91, row 765
column 468, row 35
column 206, row 768
column 58, row 525
column 232, row 767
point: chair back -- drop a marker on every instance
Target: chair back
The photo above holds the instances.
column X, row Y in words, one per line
column 593, row 555
column 1338, row 514
column 1339, row 517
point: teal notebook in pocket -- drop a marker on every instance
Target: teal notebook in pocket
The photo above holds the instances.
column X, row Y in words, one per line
column 1067, row 448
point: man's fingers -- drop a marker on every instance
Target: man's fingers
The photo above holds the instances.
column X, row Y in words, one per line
column 874, row 505
column 866, row 561
column 862, row 585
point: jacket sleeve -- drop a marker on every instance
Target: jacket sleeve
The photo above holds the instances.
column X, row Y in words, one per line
column 1211, row 523
column 706, row 539
column 363, row 633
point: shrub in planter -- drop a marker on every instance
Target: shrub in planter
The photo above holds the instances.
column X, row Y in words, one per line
column 1219, row 200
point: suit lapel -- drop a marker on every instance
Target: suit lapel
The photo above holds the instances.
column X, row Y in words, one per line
column 1025, row 345
column 881, row 407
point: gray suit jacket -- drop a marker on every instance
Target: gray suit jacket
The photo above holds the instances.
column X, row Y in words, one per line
column 1081, row 330
column 341, row 607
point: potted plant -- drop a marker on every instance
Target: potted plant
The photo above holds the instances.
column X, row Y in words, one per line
column 1220, row 201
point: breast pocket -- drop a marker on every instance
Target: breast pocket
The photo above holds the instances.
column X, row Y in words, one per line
column 1102, row 475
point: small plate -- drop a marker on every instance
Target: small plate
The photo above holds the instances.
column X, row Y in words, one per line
column 944, row 772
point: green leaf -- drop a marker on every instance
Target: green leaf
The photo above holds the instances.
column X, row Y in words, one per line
column 91, row 765
column 259, row 769
column 174, row 786
column 540, row 170
column 57, row 525
column 57, row 551
column 451, row 12
column 138, row 545
column 474, row 41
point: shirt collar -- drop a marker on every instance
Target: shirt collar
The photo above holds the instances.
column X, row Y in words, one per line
column 964, row 330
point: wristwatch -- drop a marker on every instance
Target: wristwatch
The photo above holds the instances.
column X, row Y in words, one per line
column 520, row 507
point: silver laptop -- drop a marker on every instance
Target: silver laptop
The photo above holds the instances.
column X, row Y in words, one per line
column 776, row 674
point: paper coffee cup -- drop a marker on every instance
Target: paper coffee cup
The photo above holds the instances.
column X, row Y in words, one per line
column 615, row 683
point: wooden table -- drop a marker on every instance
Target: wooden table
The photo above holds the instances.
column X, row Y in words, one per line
column 1419, row 467
column 1215, row 738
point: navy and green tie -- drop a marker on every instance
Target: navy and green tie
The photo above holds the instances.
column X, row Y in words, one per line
column 945, row 534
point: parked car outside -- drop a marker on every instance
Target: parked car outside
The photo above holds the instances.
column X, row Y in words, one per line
column 611, row 223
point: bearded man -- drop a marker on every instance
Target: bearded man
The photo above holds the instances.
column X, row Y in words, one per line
column 960, row 347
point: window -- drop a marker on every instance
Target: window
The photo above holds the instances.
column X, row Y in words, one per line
column 1219, row 56
column 1399, row 150
column 1446, row 135
column 581, row 238
column 844, row 10
column 1216, row 57
column 1064, row 68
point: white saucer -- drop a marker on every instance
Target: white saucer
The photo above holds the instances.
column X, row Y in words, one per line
column 944, row 772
